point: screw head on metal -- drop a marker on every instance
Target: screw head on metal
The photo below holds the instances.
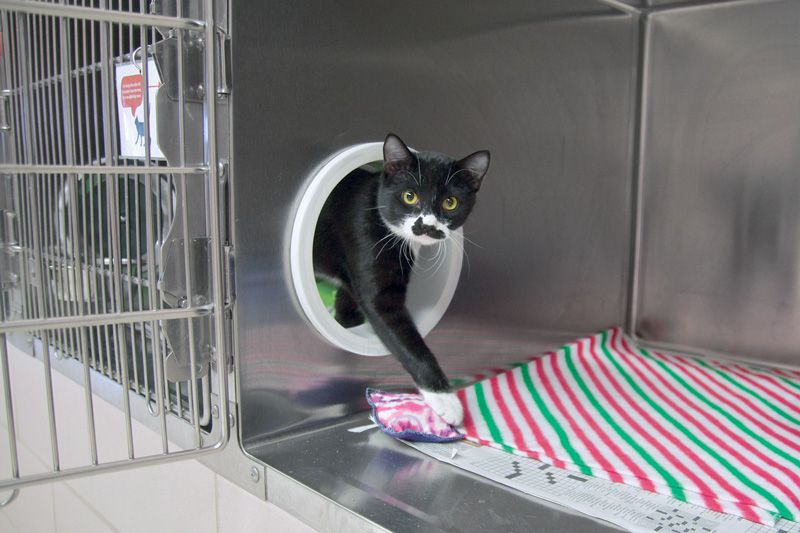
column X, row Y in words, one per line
column 215, row 411
column 254, row 474
column 222, row 170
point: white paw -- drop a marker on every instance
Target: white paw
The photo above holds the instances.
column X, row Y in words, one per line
column 446, row 405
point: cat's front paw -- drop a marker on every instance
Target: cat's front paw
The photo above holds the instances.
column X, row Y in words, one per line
column 446, row 405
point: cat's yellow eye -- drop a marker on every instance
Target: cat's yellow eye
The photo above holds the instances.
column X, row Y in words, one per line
column 410, row 198
column 450, row 203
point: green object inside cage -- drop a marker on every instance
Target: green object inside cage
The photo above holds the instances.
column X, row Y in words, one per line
column 327, row 291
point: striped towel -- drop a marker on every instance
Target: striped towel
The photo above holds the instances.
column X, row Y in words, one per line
column 713, row 433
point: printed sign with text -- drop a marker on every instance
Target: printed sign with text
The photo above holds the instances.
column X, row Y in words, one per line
column 130, row 110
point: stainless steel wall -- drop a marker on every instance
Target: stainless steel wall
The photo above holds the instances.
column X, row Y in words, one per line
column 551, row 88
column 548, row 86
column 720, row 247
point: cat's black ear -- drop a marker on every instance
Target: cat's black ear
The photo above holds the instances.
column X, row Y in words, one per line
column 476, row 166
column 396, row 155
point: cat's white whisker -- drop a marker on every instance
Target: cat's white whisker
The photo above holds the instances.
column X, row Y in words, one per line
column 454, row 174
column 408, row 254
column 449, row 171
column 402, row 254
column 444, row 250
column 388, row 235
column 389, row 242
column 473, row 243
column 463, row 251
column 413, row 177
column 437, row 262
column 431, row 262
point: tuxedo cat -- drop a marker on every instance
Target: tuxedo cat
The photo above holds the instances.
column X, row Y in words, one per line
column 364, row 242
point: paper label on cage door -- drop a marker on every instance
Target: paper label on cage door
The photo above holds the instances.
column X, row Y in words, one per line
column 130, row 109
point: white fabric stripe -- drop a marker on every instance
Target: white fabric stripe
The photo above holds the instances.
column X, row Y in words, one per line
column 591, row 367
column 772, row 417
column 578, row 445
column 480, row 424
column 702, row 457
column 704, row 383
column 695, row 407
column 695, row 420
column 527, row 432
column 497, row 415
column 528, row 436
column 724, row 497
column 757, row 387
column 615, row 460
column 651, row 472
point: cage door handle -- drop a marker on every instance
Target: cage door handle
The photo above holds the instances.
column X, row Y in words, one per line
column 5, row 110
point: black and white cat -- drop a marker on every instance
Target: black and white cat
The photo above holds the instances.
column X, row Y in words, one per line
column 364, row 241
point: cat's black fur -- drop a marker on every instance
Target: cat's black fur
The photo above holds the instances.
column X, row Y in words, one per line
column 354, row 244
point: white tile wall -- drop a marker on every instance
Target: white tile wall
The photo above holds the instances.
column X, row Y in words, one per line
column 73, row 513
column 238, row 511
column 177, row 497
column 32, row 511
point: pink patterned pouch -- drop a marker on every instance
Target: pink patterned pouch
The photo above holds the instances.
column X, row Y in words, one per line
column 407, row 416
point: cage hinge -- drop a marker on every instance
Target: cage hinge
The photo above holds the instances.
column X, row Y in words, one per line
column 8, row 243
column 222, row 49
column 230, row 282
column 229, row 296
column 9, row 232
column 5, row 110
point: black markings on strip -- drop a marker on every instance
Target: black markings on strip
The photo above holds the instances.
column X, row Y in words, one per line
column 517, row 470
column 676, row 521
column 576, row 478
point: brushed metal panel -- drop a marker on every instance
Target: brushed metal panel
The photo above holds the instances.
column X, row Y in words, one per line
column 387, row 484
column 548, row 86
column 720, row 263
column 647, row 5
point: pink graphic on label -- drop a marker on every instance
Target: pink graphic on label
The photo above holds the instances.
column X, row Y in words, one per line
column 131, row 91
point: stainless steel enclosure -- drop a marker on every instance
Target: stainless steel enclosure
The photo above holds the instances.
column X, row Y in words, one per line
column 720, row 247
column 548, row 86
column 644, row 173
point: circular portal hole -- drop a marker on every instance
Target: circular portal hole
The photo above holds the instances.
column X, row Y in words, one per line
column 430, row 290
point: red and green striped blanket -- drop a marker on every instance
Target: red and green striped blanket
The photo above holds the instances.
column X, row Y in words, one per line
column 718, row 434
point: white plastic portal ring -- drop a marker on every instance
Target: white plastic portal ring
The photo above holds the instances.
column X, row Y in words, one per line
column 431, row 287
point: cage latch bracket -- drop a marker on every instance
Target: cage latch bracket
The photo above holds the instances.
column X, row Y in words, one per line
column 5, row 110
column 223, row 56
column 184, row 283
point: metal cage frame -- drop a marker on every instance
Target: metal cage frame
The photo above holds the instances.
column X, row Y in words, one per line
column 94, row 287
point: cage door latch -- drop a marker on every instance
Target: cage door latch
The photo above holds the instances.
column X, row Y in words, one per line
column 5, row 110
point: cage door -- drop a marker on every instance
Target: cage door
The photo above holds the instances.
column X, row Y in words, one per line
column 110, row 226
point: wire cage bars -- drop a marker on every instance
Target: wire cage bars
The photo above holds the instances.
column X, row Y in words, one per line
column 110, row 258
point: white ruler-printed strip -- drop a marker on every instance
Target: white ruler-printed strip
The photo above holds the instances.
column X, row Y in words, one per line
column 626, row 506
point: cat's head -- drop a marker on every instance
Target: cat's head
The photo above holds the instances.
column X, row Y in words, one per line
column 423, row 196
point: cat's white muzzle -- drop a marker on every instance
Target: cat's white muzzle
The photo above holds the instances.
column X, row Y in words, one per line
column 406, row 230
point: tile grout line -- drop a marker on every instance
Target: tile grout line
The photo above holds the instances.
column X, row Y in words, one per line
column 88, row 504
column 53, row 506
column 216, row 503
column 9, row 521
